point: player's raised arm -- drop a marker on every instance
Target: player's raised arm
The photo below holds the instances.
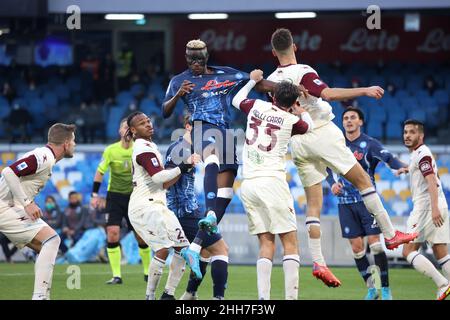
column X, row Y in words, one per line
column 240, row 100
column 172, row 96
column 332, row 94
column 316, row 87
column 11, row 174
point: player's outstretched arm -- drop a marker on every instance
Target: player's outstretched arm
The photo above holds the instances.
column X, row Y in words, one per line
column 169, row 105
column 256, row 76
column 336, row 94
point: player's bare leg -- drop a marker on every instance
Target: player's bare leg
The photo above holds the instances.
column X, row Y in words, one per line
column 114, row 253
column 264, row 264
column 440, row 251
column 424, row 266
column 361, row 180
column 291, row 264
column 47, row 242
column 314, row 200
column 144, row 253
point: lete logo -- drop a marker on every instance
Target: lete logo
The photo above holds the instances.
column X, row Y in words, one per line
column 214, row 84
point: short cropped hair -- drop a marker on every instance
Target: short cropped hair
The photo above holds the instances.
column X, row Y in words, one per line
column 418, row 123
column 354, row 109
column 281, row 40
column 60, row 133
column 196, row 44
column 285, row 94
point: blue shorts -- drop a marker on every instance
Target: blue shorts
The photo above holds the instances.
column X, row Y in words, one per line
column 206, row 135
column 356, row 221
column 190, row 228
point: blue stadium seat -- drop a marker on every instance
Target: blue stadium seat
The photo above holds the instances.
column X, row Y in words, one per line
column 50, row 99
column 375, row 129
column 149, row 106
column 74, row 84
column 124, row 98
column 389, row 103
column 414, row 84
column 137, row 89
column 409, row 103
column 427, row 102
column 442, row 97
column 402, row 94
column 377, row 114
column 398, row 114
column 418, row 114
column 393, row 130
column 62, row 91
column 377, row 81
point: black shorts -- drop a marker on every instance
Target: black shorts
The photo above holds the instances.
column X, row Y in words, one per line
column 117, row 209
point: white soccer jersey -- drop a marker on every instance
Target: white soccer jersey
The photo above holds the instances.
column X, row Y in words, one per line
column 267, row 136
column 423, row 164
column 145, row 189
column 34, row 169
column 320, row 110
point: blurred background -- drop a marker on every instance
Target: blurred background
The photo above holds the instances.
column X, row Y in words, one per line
column 51, row 71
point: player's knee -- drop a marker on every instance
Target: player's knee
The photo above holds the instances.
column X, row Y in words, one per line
column 53, row 241
column 212, row 158
column 312, row 225
column 359, row 255
column 376, row 248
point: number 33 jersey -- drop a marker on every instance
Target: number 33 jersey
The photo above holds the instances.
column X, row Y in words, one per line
column 269, row 129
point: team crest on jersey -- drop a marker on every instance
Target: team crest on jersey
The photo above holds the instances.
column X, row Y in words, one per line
column 155, row 162
column 318, row 82
column 363, row 144
column 21, row 166
column 239, row 76
column 425, row 166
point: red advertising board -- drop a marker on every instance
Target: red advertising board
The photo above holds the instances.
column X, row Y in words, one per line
column 319, row 40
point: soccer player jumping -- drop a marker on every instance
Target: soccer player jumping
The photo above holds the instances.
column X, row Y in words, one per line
column 325, row 147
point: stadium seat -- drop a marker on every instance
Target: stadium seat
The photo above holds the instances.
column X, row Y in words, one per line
column 441, row 97
column 149, row 106
column 388, row 194
column 375, row 129
column 124, row 98
column 393, row 130
column 405, row 194
column 399, row 185
column 418, row 114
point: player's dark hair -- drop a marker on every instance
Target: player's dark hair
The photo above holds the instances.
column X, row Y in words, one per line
column 418, row 123
column 354, row 109
column 60, row 133
column 129, row 119
column 285, row 94
column 281, row 39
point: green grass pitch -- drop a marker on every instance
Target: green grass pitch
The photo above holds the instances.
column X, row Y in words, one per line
column 16, row 282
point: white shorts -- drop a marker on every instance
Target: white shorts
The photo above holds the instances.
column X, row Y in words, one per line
column 321, row 148
column 18, row 227
column 420, row 221
column 158, row 226
column 269, row 205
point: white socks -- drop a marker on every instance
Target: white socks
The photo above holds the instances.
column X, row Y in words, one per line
column 43, row 268
column 445, row 265
column 291, row 264
column 176, row 271
column 263, row 272
column 424, row 266
column 155, row 271
column 314, row 244
column 374, row 205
